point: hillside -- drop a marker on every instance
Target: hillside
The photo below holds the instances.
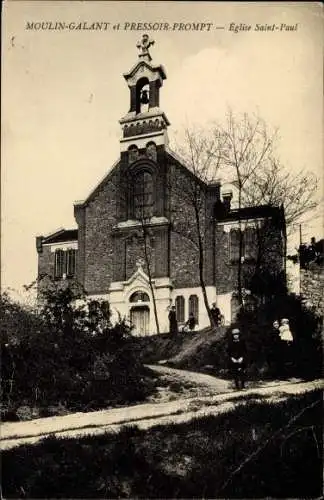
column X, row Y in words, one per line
column 196, row 350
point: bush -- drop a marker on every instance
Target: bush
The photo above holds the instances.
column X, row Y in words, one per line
column 66, row 356
column 306, row 327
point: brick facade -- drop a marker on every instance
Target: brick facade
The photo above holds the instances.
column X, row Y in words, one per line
column 96, row 247
column 149, row 179
column 269, row 253
column 111, row 245
column 46, row 262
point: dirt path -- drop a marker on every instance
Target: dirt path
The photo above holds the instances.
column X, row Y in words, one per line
column 182, row 383
column 187, row 383
column 212, row 397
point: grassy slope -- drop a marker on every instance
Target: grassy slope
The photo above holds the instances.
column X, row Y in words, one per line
column 281, row 446
column 186, row 350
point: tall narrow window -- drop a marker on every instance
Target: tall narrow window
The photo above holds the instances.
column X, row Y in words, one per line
column 59, row 264
column 143, row 195
column 250, row 243
column 235, row 245
column 151, row 151
column 180, row 304
column 194, row 306
column 132, row 153
column 70, row 262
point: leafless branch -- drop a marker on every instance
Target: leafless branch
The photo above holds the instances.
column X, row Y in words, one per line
column 260, row 448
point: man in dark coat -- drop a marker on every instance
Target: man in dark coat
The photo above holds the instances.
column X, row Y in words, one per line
column 216, row 314
column 237, row 358
column 173, row 321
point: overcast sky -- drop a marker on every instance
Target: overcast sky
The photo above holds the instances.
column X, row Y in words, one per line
column 63, row 93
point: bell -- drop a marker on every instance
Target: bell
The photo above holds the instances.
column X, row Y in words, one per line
column 144, row 97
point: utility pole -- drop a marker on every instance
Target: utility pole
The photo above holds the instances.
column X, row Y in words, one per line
column 300, row 243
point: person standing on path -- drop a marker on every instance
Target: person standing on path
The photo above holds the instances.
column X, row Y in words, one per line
column 216, row 314
column 173, row 321
column 237, row 358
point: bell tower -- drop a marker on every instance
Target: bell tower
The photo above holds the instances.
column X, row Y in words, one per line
column 144, row 121
column 142, row 187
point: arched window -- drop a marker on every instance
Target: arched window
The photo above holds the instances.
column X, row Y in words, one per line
column 194, row 306
column 151, row 151
column 139, row 297
column 180, row 312
column 132, row 153
column 143, row 195
column 142, row 95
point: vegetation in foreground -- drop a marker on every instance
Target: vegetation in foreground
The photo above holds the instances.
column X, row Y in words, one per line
column 64, row 357
column 258, row 450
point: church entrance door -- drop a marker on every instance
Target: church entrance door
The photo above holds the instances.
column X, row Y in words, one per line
column 140, row 318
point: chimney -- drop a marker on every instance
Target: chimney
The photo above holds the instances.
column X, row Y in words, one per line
column 39, row 243
column 214, row 190
column 227, row 196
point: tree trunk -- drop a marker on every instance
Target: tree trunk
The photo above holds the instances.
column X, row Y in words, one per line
column 241, row 234
column 201, row 268
column 148, row 266
column 239, row 269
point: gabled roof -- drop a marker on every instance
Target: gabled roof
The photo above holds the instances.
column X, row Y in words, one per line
column 169, row 152
column 139, row 275
column 149, row 66
column 182, row 164
column 61, row 236
column 99, row 185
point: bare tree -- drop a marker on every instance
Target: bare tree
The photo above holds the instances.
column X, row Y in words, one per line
column 259, row 176
column 247, row 149
column 242, row 149
column 200, row 154
column 276, row 185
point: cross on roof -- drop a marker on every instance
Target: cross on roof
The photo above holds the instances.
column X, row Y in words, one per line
column 144, row 45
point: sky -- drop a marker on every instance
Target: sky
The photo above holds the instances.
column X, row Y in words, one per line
column 63, row 93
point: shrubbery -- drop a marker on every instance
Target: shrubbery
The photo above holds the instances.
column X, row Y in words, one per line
column 256, row 327
column 65, row 357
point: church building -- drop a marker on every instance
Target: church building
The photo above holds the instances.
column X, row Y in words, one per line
column 134, row 246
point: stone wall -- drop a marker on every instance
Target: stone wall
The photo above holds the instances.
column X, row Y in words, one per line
column 109, row 253
column 46, row 260
column 46, row 265
column 226, row 271
column 312, row 286
column 109, row 249
column 184, row 253
column 95, row 241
